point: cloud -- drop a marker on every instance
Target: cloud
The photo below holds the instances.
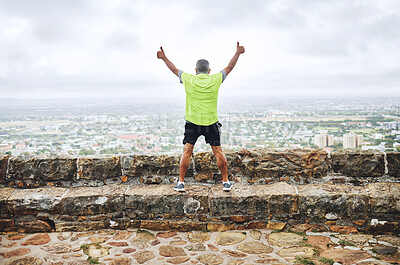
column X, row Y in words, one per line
column 122, row 40
column 109, row 46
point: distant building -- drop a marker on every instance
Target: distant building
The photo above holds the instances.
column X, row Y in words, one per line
column 352, row 140
column 378, row 136
column 393, row 125
column 380, row 147
column 330, row 139
column 359, row 140
column 349, row 141
column 322, row 140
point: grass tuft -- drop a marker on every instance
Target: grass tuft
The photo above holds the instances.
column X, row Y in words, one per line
column 303, row 260
column 326, row 260
column 304, row 244
column 85, row 247
column 144, row 232
column 93, row 260
column 297, row 233
column 345, row 243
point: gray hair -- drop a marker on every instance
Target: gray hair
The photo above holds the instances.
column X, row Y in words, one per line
column 202, row 66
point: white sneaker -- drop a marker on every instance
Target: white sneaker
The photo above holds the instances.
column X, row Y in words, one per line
column 227, row 186
column 180, row 187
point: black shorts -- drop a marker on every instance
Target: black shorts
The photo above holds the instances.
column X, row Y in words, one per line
column 212, row 133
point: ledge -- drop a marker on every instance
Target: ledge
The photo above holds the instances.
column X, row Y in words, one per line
column 248, row 167
column 201, row 206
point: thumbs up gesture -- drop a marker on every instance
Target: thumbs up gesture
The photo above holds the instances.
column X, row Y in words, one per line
column 161, row 53
column 239, row 49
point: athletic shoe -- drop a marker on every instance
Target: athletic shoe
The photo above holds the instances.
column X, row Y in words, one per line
column 227, row 186
column 180, row 187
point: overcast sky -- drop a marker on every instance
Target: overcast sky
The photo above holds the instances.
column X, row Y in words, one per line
column 107, row 49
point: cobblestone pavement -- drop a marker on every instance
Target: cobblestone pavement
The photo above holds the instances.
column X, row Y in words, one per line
column 136, row 246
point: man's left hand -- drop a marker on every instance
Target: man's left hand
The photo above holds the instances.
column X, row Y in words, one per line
column 161, row 53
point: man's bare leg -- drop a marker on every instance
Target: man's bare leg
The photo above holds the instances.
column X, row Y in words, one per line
column 221, row 162
column 185, row 160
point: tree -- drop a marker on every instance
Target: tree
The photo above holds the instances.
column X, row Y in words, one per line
column 86, row 152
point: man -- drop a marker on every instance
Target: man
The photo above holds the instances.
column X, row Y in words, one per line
column 201, row 112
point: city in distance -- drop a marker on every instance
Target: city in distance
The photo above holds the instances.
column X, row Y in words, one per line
column 144, row 126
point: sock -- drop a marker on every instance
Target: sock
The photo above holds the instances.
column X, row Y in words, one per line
column 223, row 182
column 181, row 183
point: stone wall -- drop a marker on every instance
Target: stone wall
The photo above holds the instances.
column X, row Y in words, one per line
column 343, row 191
column 255, row 166
column 374, row 207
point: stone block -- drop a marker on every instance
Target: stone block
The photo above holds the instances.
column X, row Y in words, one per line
column 6, row 223
column 145, row 165
column 358, row 163
column 331, row 202
column 99, row 168
column 151, row 180
column 42, row 168
column 393, row 164
column 256, row 225
column 33, row 201
column 257, row 200
column 383, row 228
column 5, row 193
column 80, row 226
column 385, row 200
column 167, row 225
column 240, row 218
column 206, row 164
column 276, row 226
column 343, row 229
column 94, row 200
column 220, row 227
column 3, row 167
column 160, row 200
column 37, row 226
column 263, row 163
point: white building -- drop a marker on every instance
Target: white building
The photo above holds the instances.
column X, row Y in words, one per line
column 322, row 140
column 359, row 140
column 352, row 140
column 349, row 141
column 378, row 136
column 393, row 125
column 330, row 140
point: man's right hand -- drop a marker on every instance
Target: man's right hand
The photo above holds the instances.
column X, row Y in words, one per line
column 161, row 53
column 239, row 49
column 233, row 61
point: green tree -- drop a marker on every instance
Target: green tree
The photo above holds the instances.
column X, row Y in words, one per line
column 86, row 152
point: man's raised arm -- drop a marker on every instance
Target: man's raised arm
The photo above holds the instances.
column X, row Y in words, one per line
column 233, row 61
column 171, row 66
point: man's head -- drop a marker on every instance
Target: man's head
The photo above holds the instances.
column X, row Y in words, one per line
column 202, row 66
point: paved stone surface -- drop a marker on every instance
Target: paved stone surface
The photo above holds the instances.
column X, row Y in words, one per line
column 322, row 242
column 284, row 239
column 345, row 256
column 255, row 246
column 356, row 239
column 306, row 252
column 230, row 238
